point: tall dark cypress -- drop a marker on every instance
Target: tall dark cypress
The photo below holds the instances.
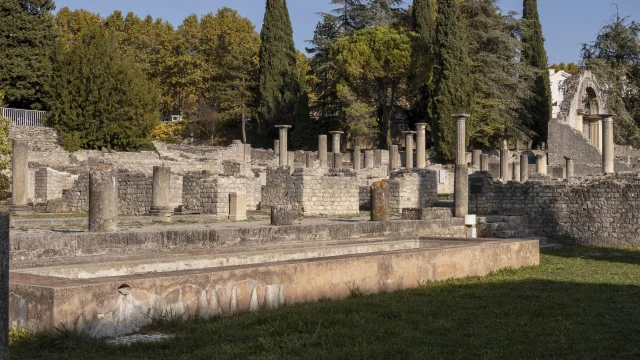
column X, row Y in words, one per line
column 423, row 19
column 423, row 22
column 279, row 81
column 27, row 38
column 451, row 92
column 535, row 55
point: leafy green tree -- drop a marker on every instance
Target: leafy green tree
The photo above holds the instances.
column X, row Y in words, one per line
column 615, row 59
column 99, row 97
column 27, row 36
column 279, row 88
column 377, row 64
column 535, row 55
column 69, row 24
column 452, row 90
column 500, row 81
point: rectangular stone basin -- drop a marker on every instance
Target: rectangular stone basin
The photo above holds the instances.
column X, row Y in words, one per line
column 118, row 297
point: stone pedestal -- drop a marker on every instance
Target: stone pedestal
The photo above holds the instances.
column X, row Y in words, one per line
column 380, row 206
column 461, row 191
column 322, row 150
column 282, row 215
column 103, row 199
column 20, row 178
column 369, row 159
column 237, row 206
column 571, row 167
column 284, row 146
column 4, row 285
column 608, row 147
column 524, row 168
column 161, row 196
column 475, row 158
column 421, row 146
column 484, row 162
column 393, row 156
column 516, row 171
column 357, row 158
column 336, row 141
column 541, row 164
column 408, row 150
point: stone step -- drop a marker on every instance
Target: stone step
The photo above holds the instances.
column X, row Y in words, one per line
column 499, row 219
column 500, row 226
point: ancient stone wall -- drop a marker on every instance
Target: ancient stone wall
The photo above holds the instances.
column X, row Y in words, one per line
column 50, row 183
column 598, row 211
column 275, row 190
column 319, row 193
column 41, row 139
column 413, row 189
column 209, row 194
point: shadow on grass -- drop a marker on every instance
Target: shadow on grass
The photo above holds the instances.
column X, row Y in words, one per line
column 623, row 256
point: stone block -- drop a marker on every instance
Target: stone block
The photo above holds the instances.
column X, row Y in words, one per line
column 380, row 206
column 282, row 215
column 237, row 206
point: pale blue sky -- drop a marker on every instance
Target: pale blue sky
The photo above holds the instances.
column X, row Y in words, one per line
column 566, row 23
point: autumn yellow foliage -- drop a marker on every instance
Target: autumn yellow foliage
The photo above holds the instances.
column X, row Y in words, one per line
column 170, row 132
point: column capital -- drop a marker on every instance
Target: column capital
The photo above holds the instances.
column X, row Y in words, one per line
column 607, row 117
column 460, row 117
column 569, row 158
column 409, row 132
column 283, row 127
column 421, row 126
column 336, row 132
column 580, row 112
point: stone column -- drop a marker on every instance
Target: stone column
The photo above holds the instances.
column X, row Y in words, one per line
column 284, row 146
column 461, row 180
column 103, row 199
column 357, row 158
column 541, row 164
column 4, row 285
column 571, row 168
column 337, row 160
column 369, row 159
column 161, row 192
column 311, row 158
column 475, row 158
column 516, row 171
column 608, row 147
column 393, row 156
column 380, row 207
column 484, row 162
column 421, row 146
column 580, row 121
column 505, row 174
column 336, row 141
column 594, row 137
column 20, row 177
column 322, row 150
column 237, row 206
column 408, row 149
column 524, row 167
column 276, row 147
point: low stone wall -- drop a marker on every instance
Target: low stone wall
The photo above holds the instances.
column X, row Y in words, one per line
column 413, row 189
column 41, row 139
column 319, row 193
column 209, row 194
column 49, row 184
column 598, row 211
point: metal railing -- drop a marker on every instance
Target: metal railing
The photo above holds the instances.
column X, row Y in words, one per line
column 21, row 117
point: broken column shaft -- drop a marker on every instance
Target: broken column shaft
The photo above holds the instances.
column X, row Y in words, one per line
column 103, row 199
column 461, row 181
column 421, row 146
column 284, row 146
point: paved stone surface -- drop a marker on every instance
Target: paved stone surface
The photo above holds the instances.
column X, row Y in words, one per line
column 140, row 338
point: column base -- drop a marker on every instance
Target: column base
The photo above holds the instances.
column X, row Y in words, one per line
column 18, row 210
column 161, row 211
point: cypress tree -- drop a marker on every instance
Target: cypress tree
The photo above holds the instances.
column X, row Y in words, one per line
column 27, row 37
column 451, row 92
column 423, row 22
column 99, row 97
column 535, row 55
column 423, row 19
column 279, row 86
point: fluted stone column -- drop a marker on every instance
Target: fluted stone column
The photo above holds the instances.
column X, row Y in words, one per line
column 516, row 171
column 393, row 158
column 484, row 162
column 322, row 150
column 475, row 158
column 20, row 177
column 336, row 141
column 461, row 181
column 337, row 160
column 608, row 151
column 284, row 146
column 4, row 285
column 524, row 167
column 594, row 136
column 409, row 148
column 369, row 159
column 161, row 192
column 421, row 146
column 571, row 167
column 357, row 158
column 103, row 199
column 505, row 174
column 541, row 164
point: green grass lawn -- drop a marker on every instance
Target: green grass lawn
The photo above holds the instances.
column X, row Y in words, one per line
column 581, row 303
